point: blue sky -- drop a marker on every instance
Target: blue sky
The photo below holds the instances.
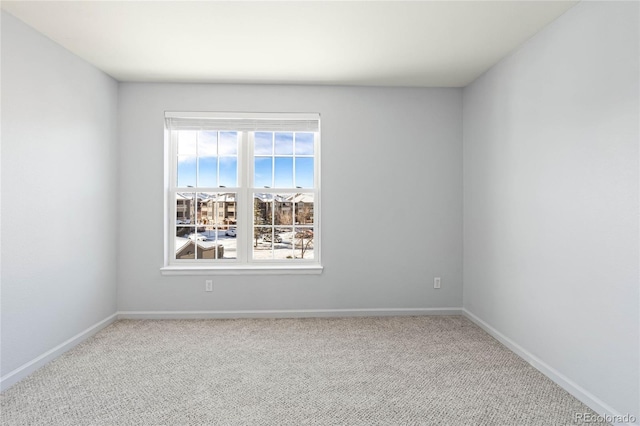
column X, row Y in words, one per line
column 277, row 155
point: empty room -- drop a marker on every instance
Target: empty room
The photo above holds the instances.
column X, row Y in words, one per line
column 320, row 212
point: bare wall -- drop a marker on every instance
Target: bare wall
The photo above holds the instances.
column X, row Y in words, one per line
column 551, row 199
column 59, row 177
column 391, row 199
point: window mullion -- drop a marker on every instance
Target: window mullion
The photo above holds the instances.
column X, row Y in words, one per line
column 293, row 161
column 273, row 159
column 245, row 196
column 197, row 160
column 218, row 159
column 173, row 182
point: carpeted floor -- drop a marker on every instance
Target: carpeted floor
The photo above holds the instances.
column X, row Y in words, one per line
column 426, row 370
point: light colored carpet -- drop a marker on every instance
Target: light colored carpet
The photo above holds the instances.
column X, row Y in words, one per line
column 427, row 370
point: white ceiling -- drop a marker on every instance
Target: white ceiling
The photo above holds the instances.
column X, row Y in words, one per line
column 383, row 43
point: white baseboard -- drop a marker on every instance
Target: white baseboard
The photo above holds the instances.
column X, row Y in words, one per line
column 23, row 371
column 298, row 313
column 564, row 382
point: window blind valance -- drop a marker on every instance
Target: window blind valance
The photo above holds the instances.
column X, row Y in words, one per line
column 270, row 122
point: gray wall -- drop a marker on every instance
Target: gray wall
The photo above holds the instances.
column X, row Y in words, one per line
column 551, row 199
column 383, row 150
column 59, row 181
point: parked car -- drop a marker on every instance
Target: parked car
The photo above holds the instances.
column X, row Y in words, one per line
column 197, row 237
column 230, row 232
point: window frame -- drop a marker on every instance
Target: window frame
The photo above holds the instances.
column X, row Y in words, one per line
column 244, row 264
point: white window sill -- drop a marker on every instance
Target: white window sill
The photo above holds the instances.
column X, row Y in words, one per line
column 243, row 270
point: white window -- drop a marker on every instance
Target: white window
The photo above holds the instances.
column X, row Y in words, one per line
column 242, row 193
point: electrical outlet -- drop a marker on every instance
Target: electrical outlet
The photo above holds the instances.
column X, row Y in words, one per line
column 208, row 285
column 436, row 282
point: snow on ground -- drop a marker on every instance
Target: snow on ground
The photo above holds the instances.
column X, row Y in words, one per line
column 263, row 250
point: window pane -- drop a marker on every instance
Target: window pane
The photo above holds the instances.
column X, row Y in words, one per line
column 262, row 209
column 185, row 210
column 210, row 250
column 229, row 171
column 283, row 211
column 260, row 232
column 262, row 177
column 207, row 210
column 207, row 171
column 263, row 143
column 227, row 238
column 185, row 248
column 187, row 143
column 282, row 240
column 283, row 172
column 201, row 203
column 221, row 209
column 217, row 215
column 186, row 171
column 206, row 238
column 303, row 209
column 204, row 242
column 228, row 144
column 263, row 243
column 207, row 144
column 304, row 172
column 209, row 216
column 262, row 229
column 283, row 246
column 284, row 144
column 303, row 243
column 304, row 143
